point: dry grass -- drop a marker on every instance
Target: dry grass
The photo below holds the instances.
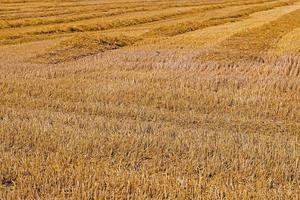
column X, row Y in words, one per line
column 84, row 45
column 117, row 113
column 252, row 45
column 238, row 15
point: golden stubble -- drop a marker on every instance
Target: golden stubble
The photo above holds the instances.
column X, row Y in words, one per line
column 119, row 113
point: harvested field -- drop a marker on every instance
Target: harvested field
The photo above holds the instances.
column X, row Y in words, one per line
column 150, row 99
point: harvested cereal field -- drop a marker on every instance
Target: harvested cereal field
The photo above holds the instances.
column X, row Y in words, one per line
column 152, row 99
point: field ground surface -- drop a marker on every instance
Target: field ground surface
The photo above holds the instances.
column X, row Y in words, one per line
column 154, row 99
